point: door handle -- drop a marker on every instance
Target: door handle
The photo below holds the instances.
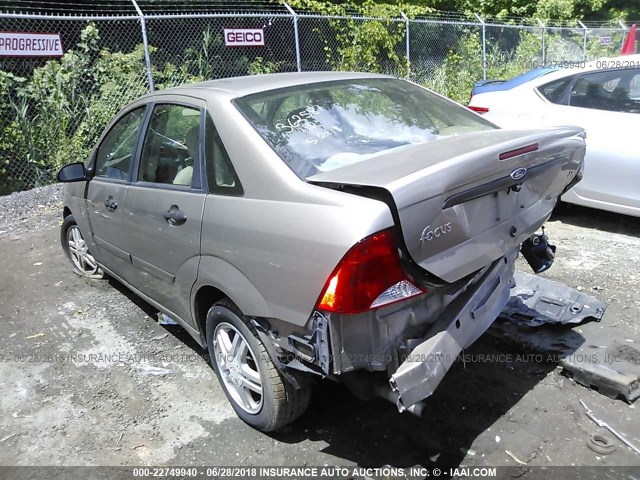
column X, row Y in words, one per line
column 110, row 204
column 174, row 216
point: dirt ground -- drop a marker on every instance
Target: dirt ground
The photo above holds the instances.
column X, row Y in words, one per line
column 88, row 377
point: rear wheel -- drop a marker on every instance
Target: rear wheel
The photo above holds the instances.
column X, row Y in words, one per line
column 77, row 252
column 258, row 392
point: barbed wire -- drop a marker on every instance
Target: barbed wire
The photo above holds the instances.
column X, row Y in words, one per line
column 47, row 7
column 276, row 7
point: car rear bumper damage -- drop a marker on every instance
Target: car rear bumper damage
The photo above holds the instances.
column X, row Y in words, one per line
column 464, row 320
column 402, row 352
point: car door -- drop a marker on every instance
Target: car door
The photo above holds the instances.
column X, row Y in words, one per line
column 105, row 194
column 607, row 105
column 164, row 204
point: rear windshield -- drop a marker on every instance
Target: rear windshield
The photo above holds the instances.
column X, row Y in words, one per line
column 323, row 126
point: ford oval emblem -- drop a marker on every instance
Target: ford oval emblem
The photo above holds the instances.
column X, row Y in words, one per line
column 518, row 173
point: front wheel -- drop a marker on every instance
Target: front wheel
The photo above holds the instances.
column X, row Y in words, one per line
column 77, row 251
column 257, row 391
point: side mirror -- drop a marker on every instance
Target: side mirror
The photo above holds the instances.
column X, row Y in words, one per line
column 74, row 172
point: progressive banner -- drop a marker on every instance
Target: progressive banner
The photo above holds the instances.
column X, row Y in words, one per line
column 24, row 44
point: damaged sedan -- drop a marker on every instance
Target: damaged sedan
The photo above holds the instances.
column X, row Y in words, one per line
column 354, row 227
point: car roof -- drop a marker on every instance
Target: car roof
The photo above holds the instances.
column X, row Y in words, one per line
column 240, row 86
column 603, row 64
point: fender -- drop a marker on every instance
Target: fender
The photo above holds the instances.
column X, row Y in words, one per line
column 218, row 273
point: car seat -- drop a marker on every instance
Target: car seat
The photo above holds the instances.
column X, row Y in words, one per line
column 185, row 176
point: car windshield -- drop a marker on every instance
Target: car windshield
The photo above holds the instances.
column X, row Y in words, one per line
column 323, row 126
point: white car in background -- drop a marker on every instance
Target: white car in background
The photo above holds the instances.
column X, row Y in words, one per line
column 603, row 97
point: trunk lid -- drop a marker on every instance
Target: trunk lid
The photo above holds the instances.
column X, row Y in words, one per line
column 462, row 202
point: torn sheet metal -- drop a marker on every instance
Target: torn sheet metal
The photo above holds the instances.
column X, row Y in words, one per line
column 538, row 301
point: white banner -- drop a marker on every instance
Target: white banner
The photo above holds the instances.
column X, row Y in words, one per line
column 244, row 37
column 24, row 44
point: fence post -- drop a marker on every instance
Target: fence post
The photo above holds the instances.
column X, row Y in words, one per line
column 624, row 32
column 584, row 40
column 294, row 15
column 544, row 35
column 406, row 25
column 145, row 43
column 484, row 47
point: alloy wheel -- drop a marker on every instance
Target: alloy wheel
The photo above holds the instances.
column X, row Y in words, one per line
column 238, row 367
column 79, row 252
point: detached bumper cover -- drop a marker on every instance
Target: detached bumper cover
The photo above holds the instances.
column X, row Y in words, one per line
column 465, row 319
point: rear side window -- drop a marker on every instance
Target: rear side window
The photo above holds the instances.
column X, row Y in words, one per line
column 323, row 126
column 221, row 175
column 113, row 158
column 553, row 91
column 612, row 90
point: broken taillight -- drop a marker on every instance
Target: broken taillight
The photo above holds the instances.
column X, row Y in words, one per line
column 368, row 276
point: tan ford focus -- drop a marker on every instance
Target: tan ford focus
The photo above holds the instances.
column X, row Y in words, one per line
column 318, row 225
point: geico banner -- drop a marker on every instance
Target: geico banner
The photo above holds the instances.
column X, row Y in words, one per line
column 25, row 44
column 243, row 37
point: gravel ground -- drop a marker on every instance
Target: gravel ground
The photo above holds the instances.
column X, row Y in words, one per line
column 30, row 210
column 90, row 378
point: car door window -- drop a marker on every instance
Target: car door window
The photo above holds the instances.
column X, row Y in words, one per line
column 171, row 145
column 113, row 158
column 221, row 175
column 634, row 89
column 614, row 90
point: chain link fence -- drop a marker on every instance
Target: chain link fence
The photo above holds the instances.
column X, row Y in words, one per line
column 53, row 109
column 192, row 48
column 446, row 56
column 603, row 42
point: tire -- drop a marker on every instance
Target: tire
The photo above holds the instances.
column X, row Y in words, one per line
column 279, row 402
column 77, row 252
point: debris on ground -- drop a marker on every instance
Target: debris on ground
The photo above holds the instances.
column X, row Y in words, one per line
column 592, row 356
column 161, row 372
column 602, row 424
column 515, row 458
column 8, row 437
column 607, row 364
column 601, row 444
column 164, row 319
column 37, row 335
column 539, row 301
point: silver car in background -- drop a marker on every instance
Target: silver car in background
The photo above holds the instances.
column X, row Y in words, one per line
column 319, row 225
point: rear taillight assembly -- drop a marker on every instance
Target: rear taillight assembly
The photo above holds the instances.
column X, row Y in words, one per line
column 368, row 276
column 478, row 109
